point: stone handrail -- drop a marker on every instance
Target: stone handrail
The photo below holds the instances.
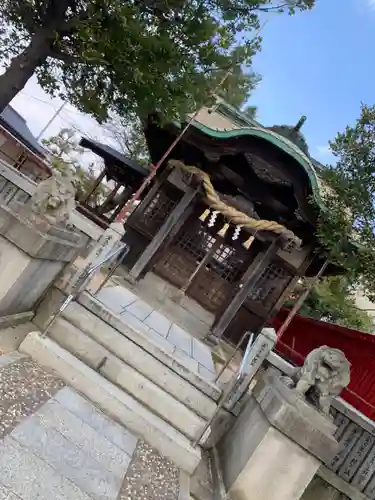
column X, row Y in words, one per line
column 352, row 471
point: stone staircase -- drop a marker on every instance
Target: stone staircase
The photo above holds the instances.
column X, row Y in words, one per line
column 55, row 444
column 142, row 381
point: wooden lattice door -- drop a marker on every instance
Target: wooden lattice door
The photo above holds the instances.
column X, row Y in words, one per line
column 202, row 263
column 261, row 301
column 150, row 215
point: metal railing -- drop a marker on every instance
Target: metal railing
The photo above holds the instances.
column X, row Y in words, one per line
column 79, row 286
column 232, row 393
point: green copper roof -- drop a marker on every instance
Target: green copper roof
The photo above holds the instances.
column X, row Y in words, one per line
column 277, row 140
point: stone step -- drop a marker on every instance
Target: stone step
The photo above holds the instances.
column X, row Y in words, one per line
column 127, row 378
column 56, row 444
column 162, row 353
column 142, row 358
column 113, row 401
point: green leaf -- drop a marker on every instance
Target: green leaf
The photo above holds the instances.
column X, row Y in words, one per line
column 132, row 57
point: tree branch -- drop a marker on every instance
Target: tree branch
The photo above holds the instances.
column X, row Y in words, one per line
column 73, row 23
column 275, row 8
column 64, row 57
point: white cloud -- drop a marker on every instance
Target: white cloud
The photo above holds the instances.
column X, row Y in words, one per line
column 371, row 4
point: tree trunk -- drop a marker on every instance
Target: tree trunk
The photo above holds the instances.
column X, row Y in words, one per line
column 23, row 66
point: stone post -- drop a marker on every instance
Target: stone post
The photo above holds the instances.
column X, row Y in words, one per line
column 254, row 357
column 31, row 257
column 276, row 445
column 106, row 243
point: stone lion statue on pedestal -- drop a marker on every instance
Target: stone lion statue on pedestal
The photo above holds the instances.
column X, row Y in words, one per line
column 323, row 376
column 54, row 199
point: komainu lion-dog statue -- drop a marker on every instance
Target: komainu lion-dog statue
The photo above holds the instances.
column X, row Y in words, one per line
column 323, row 376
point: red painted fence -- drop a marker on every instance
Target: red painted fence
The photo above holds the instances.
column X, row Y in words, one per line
column 305, row 334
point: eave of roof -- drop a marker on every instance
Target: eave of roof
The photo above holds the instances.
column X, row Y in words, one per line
column 277, row 140
column 14, row 123
column 116, row 156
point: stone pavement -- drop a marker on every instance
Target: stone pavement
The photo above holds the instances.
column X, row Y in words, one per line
column 54, row 444
column 142, row 317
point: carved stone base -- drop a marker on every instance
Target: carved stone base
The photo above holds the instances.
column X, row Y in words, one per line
column 293, row 416
column 276, row 445
column 30, row 259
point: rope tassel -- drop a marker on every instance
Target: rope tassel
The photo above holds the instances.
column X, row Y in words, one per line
column 223, row 230
column 247, row 244
column 204, row 215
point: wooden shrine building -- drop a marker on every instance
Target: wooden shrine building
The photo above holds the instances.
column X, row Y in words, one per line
column 228, row 223
column 126, row 174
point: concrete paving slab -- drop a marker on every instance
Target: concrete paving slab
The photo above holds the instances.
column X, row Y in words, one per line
column 208, row 374
column 160, row 341
column 96, row 446
column 117, row 298
column 202, row 353
column 96, row 419
column 180, row 338
column 143, row 318
column 134, row 322
column 139, row 309
column 66, row 458
column 158, row 322
column 30, row 477
column 188, row 361
column 67, row 449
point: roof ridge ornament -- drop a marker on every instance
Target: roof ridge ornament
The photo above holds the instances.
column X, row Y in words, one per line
column 300, row 123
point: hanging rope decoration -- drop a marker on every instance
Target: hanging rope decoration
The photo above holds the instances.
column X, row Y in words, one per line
column 233, row 216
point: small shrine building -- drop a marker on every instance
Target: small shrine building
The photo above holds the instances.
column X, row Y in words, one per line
column 228, row 222
column 126, row 175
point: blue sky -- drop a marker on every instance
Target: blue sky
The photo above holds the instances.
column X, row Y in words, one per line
column 320, row 64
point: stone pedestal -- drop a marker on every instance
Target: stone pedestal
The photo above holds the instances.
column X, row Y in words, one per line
column 276, row 445
column 32, row 255
column 253, row 359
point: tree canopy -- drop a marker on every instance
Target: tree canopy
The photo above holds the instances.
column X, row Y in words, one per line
column 333, row 300
column 128, row 134
column 347, row 224
column 66, row 154
column 130, row 57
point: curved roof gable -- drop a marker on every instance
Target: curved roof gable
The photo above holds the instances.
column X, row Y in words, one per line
column 277, row 140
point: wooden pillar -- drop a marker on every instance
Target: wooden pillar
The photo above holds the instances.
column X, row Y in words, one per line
column 102, row 209
column 95, row 186
column 247, row 283
column 159, row 180
column 172, row 220
column 300, row 272
column 124, row 198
